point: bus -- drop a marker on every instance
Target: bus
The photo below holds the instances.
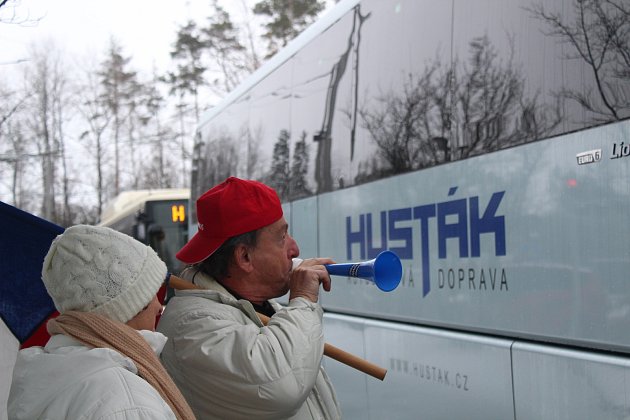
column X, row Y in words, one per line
column 487, row 143
column 155, row 217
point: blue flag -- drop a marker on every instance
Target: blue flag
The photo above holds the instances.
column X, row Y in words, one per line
column 24, row 302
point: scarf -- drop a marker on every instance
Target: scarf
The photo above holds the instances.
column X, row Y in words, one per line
column 100, row 332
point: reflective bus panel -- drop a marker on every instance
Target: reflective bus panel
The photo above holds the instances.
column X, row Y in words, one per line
column 431, row 374
column 348, row 333
column 304, row 224
column 552, row 383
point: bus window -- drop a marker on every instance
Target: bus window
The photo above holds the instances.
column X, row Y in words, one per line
column 167, row 230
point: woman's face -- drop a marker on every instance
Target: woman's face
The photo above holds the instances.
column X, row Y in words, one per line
column 146, row 318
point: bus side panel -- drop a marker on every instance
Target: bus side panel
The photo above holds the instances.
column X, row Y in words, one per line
column 431, row 374
column 303, row 226
column 524, row 242
column 348, row 334
column 552, row 383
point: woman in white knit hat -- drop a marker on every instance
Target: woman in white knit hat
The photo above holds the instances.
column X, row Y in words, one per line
column 102, row 358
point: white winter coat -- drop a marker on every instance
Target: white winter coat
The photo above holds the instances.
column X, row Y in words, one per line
column 66, row 380
column 229, row 366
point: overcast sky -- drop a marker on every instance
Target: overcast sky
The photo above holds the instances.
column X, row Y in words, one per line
column 145, row 28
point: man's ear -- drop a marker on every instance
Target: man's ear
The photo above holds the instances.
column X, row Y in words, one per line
column 242, row 258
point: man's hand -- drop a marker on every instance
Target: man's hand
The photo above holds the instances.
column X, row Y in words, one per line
column 306, row 278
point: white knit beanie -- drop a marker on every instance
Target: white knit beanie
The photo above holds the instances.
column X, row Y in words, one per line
column 99, row 270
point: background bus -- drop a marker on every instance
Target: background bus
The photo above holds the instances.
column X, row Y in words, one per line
column 154, row 217
column 486, row 142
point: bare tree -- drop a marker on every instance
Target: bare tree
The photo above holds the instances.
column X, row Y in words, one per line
column 400, row 128
column 279, row 173
column 298, row 184
column 324, row 139
column 185, row 81
column 159, row 174
column 17, row 159
column 249, row 139
column 46, row 80
column 96, row 119
column 487, row 96
column 135, row 121
column 189, row 76
column 10, row 105
column 120, row 85
column 197, row 171
column 492, row 110
column 252, row 55
column 60, row 104
column 600, row 37
column 454, row 111
column 15, row 147
column 221, row 160
column 221, row 39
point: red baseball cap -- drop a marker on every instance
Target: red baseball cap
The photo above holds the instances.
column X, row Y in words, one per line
column 234, row 207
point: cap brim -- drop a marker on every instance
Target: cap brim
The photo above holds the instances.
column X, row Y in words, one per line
column 198, row 249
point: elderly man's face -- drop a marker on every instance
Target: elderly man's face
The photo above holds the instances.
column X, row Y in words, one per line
column 272, row 258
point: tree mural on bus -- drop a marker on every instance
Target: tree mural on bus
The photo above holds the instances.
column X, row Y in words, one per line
column 221, row 160
column 452, row 112
column 250, row 138
column 400, row 125
column 196, row 172
column 278, row 177
column 491, row 109
column 323, row 173
column 600, row 37
column 298, row 184
column 288, row 176
column 226, row 154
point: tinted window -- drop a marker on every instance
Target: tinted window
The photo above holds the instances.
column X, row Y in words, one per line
column 394, row 87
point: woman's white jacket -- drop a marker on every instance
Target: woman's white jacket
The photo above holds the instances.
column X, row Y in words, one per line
column 66, row 380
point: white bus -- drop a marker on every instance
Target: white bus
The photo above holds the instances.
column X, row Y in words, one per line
column 487, row 143
column 156, row 217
